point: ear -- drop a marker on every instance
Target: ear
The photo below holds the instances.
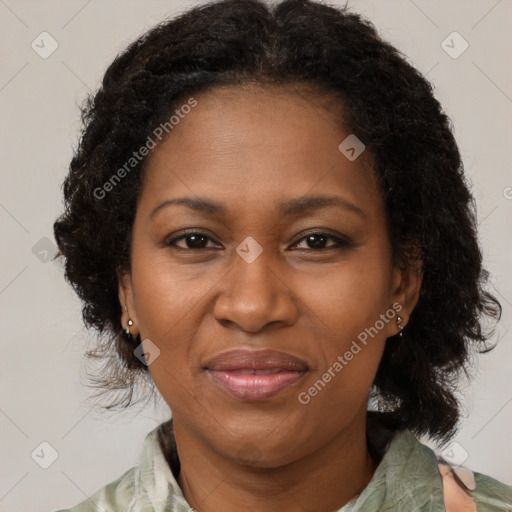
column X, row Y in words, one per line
column 127, row 302
column 405, row 292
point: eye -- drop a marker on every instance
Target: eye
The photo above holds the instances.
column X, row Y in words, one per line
column 192, row 240
column 317, row 241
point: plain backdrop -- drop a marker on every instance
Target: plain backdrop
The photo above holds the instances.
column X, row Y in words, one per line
column 42, row 374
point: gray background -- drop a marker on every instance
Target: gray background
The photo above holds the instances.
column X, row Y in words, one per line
column 42, row 373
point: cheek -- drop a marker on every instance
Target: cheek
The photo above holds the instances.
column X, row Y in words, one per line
column 167, row 294
column 167, row 306
column 350, row 296
column 348, row 304
column 349, row 350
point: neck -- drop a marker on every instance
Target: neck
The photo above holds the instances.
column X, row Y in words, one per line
column 341, row 468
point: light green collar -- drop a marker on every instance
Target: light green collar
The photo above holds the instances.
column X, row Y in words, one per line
column 406, row 480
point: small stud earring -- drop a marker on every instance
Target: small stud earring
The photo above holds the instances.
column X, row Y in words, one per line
column 127, row 330
column 399, row 323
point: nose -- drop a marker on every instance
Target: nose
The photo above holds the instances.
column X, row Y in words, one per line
column 255, row 293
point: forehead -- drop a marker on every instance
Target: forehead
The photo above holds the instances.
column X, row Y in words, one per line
column 254, row 144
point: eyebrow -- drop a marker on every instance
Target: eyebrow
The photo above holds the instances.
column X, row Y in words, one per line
column 289, row 208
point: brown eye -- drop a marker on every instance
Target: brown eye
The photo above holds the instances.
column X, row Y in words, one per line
column 318, row 241
column 193, row 240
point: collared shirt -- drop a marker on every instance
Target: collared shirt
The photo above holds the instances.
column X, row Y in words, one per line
column 407, row 479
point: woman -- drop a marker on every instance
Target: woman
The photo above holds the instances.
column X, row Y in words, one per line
column 257, row 221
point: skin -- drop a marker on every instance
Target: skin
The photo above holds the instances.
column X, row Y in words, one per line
column 250, row 148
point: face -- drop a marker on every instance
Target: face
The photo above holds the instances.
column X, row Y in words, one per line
column 259, row 270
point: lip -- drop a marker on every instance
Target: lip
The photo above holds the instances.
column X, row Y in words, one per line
column 255, row 374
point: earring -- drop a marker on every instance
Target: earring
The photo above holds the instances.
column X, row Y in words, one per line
column 128, row 336
column 399, row 323
column 127, row 330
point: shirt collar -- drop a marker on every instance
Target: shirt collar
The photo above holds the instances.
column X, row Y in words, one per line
column 156, row 488
column 406, row 478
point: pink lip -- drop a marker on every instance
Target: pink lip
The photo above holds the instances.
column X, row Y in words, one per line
column 255, row 375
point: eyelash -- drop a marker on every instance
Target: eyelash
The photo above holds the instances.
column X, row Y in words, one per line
column 341, row 242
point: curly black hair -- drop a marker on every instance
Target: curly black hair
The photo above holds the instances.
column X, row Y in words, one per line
column 387, row 104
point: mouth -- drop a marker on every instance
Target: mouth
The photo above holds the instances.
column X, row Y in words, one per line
column 252, row 375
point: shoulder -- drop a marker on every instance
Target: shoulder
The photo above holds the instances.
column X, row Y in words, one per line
column 491, row 495
column 467, row 490
column 412, row 475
